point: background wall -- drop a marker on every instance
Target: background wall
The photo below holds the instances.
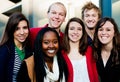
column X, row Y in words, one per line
column 116, row 11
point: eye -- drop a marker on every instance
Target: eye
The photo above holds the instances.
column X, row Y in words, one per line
column 46, row 42
column 100, row 29
column 55, row 41
column 87, row 15
column 62, row 14
column 108, row 29
column 71, row 28
column 94, row 15
column 80, row 29
column 53, row 12
column 25, row 27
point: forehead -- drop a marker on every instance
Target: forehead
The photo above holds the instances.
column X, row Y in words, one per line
column 74, row 23
column 58, row 7
column 108, row 24
column 50, row 35
column 22, row 23
column 87, row 11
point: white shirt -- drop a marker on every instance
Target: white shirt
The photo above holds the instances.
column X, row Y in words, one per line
column 80, row 70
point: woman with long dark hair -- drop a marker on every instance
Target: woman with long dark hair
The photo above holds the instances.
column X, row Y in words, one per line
column 77, row 53
column 13, row 47
column 47, row 63
column 107, row 50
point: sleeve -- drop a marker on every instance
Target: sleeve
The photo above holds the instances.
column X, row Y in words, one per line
column 3, row 62
column 23, row 73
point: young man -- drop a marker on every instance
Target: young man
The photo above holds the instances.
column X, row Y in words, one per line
column 90, row 15
column 56, row 15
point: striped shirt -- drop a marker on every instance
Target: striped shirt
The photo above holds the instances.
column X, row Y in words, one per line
column 17, row 64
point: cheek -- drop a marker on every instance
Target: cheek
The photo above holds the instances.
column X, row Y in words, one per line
column 44, row 46
column 63, row 18
column 112, row 35
column 15, row 33
column 26, row 31
column 56, row 46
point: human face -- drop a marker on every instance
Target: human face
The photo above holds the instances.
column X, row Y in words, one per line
column 106, row 33
column 21, row 32
column 75, row 32
column 50, row 44
column 91, row 18
column 56, row 16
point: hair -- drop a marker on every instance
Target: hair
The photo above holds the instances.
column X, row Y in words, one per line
column 83, row 41
column 40, row 60
column 97, row 45
column 89, row 6
column 60, row 4
column 12, row 23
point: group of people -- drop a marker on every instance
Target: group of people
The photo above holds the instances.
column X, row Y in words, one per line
column 87, row 51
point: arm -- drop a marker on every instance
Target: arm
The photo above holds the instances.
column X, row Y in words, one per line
column 4, row 52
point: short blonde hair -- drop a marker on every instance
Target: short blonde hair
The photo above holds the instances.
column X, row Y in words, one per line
column 58, row 3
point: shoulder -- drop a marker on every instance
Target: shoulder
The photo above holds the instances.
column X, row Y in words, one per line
column 4, row 49
column 29, row 60
column 37, row 29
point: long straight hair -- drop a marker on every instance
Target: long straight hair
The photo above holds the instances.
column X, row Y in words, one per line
column 40, row 60
column 11, row 25
column 83, row 44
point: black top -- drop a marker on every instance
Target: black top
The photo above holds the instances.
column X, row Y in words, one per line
column 7, row 57
column 23, row 73
column 108, row 73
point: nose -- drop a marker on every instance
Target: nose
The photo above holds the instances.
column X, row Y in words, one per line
column 76, row 31
column 57, row 15
column 51, row 44
column 21, row 31
column 90, row 18
column 103, row 32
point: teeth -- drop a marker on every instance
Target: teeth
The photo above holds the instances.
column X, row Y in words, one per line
column 104, row 37
column 51, row 51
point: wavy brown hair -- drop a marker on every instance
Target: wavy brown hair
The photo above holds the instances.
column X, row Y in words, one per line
column 97, row 45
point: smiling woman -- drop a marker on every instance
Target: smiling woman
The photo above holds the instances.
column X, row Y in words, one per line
column 48, row 64
column 106, row 50
column 13, row 47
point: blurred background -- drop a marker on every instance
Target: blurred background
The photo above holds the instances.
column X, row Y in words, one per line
column 36, row 10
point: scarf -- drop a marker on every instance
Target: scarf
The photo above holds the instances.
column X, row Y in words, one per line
column 53, row 76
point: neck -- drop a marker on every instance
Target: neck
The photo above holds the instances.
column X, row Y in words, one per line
column 18, row 45
column 74, row 46
column 48, row 59
column 90, row 32
column 107, row 47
